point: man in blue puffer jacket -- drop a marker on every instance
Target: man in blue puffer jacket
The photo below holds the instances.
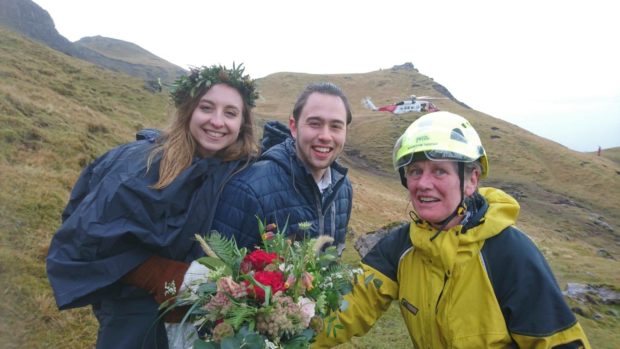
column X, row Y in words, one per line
column 297, row 178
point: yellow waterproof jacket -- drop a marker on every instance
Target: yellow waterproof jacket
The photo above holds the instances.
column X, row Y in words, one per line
column 482, row 284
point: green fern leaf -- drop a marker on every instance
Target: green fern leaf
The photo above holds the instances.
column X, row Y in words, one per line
column 239, row 315
column 226, row 250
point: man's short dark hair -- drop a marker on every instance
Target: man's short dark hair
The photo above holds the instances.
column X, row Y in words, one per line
column 327, row 88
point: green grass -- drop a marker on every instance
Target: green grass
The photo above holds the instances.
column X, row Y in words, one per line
column 56, row 115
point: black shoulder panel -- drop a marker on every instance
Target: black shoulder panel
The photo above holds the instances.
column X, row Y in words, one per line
column 527, row 292
column 387, row 252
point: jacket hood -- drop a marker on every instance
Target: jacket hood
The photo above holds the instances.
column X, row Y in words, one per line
column 283, row 154
column 274, row 133
column 500, row 212
column 278, row 145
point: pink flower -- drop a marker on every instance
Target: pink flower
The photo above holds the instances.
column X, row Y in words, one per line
column 306, row 280
column 306, row 306
column 270, row 228
column 227, row 285
column 268, row 235
column 290, row 280
column 218, row 305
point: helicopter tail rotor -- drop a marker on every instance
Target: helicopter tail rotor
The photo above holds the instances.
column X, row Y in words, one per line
column 368, row 104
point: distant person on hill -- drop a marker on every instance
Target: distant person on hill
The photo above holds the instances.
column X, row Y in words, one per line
column 127, row 234
column 463, row 275
column 297, row 178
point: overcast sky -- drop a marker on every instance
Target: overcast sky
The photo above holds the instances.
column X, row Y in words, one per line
column 551, row 67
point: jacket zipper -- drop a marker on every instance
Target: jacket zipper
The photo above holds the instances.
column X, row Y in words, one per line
column 445, row 281
column 319, row 211
column 319, row 206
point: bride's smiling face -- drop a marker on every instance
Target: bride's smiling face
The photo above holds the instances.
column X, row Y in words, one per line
column 216, row 121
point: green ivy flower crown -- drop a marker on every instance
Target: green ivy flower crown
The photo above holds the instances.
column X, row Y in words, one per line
column 203, row 77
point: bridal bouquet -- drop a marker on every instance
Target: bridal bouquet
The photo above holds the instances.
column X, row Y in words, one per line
column 277, row 296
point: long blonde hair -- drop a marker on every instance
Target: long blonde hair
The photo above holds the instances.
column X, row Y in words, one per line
column 177, row 147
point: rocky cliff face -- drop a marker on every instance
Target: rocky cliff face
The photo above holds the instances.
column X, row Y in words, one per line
column 29, row 19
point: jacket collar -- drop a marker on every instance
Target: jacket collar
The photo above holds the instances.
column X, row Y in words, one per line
column 285, row 155
column 491, row 211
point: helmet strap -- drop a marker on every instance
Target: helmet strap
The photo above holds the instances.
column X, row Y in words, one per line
column 403, row 178
column 443, row 225
column 414, row 217
column 461, row 208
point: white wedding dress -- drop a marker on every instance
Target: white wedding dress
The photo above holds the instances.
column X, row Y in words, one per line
column 182, row 336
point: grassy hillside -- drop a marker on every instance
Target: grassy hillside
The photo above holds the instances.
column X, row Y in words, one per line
column 533, row 168
column 611, row 154
column 58, row 113
column 128, row 52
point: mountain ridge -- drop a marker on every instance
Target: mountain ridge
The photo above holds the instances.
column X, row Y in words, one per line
column 29, row 19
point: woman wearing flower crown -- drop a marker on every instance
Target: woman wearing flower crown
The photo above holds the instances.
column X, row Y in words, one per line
column 463, row 275
column 126, row 239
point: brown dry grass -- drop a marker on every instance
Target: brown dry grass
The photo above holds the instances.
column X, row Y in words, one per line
column 611, row 154
column 56, row 115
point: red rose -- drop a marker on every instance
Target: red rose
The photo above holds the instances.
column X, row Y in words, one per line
column 275, row 279
column 259, row 259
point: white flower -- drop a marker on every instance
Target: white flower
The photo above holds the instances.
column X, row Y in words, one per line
column 283, row 267
column 306, row 306
column 270, row 345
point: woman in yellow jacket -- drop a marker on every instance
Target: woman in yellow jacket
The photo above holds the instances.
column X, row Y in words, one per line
column 463, row 274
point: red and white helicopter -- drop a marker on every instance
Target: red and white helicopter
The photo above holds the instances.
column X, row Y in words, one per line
column 414, row 103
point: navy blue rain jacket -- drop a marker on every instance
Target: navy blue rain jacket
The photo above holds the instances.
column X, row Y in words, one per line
column 113, row 222
column 279, row 189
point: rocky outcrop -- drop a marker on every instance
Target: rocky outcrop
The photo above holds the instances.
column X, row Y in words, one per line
column 593, row 301
column 592, row 294
column 438, row 87
column 405, row 66
column 444, row 91
column 367, row 241
column 29, row 19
